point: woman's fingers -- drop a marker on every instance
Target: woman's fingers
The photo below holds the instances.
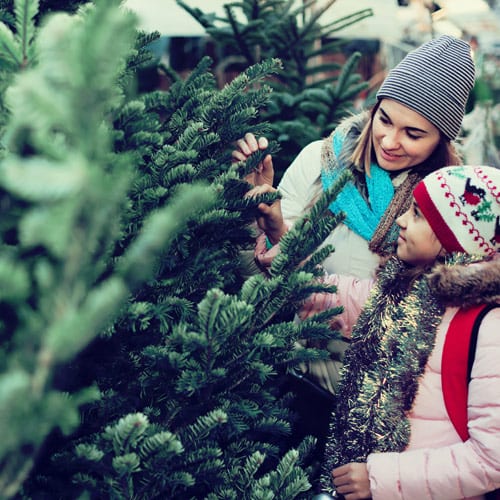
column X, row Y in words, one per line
column 266, row 172
column 238, row 155
column 248, row 145
column 263, row 173
column 257, row 190
column 262, row 143
column 251, row 142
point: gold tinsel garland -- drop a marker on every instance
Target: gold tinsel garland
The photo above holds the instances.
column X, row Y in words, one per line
column 390, row 345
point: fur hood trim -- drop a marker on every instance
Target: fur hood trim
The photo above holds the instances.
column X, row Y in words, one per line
column 350, row 128
column 467, row 284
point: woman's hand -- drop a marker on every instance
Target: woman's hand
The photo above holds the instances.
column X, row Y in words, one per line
column 351, row 480
column 269, row 218
column 263, row 174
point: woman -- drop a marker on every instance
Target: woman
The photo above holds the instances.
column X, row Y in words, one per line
column 392, row 435
column 409, row 133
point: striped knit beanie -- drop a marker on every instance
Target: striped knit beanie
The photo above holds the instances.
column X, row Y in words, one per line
column 434, row 80
column 462, row 206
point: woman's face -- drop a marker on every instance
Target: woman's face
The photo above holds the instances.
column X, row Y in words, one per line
column 417, row 242
column 402, row 138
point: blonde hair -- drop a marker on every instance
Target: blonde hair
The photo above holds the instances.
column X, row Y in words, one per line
column 443, row 155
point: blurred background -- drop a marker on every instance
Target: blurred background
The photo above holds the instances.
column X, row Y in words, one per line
column 393, row 28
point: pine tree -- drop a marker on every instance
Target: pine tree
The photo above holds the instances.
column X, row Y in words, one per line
column 126, row 301
column 312, row 92
column 14, row 53
column 63, row 192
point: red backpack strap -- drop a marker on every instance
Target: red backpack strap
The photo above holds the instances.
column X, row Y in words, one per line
column 458, row 356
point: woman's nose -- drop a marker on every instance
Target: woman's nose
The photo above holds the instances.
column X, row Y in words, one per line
column 390, row 140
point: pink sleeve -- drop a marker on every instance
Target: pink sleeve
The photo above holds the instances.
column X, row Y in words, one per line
column 351, row 294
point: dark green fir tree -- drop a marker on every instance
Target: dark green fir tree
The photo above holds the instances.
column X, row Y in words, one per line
column 314, row 89
column 141, row 356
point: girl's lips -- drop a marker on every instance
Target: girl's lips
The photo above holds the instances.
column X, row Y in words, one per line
column 401, row 239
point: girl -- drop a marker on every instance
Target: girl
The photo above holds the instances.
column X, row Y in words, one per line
column 391, row 435
column 409, row 133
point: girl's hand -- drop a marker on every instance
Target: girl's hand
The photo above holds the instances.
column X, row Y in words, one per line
column 351, row 480
column 264, row 172
column 270, row 219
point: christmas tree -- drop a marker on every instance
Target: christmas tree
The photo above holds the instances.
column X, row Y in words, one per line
column 315, row 88
column 141, row 357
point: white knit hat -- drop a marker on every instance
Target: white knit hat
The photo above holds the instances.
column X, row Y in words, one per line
column 462, row 205
column 435, row 81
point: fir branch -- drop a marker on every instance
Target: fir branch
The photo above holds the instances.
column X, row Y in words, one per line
column 25, row 12
column 346, row 21
column 309, row 231
column 11, row 54
column 345, row 74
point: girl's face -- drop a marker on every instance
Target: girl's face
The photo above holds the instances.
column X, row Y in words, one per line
column 417, row 242
column 402, row 138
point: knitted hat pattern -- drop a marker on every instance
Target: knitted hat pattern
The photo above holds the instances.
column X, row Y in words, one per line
column 435, row 81
column 462, row 206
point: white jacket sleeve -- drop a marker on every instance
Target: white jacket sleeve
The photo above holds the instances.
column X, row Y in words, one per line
column 462, row 469
column 298, row 182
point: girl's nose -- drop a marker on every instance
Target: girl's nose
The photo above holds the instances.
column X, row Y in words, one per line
column 401, row 220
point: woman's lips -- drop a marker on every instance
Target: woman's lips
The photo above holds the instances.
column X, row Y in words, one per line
column 388, row 156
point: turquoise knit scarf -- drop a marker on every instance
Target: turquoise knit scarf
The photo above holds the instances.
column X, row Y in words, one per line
column 361, row 217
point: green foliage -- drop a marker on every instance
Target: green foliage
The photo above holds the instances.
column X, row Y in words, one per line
column 221, row 400
column 64, row 191
column 313, row 90
column 16, row 49
column 44, row 7
column 316, row 226
column 142, row 355
column 18, row 24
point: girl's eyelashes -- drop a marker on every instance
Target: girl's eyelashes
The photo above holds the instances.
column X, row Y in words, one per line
column 416, row 210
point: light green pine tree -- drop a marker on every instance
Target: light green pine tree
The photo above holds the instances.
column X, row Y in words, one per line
column 63, row 194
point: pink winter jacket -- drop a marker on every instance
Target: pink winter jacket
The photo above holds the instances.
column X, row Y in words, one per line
column 436, row 464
